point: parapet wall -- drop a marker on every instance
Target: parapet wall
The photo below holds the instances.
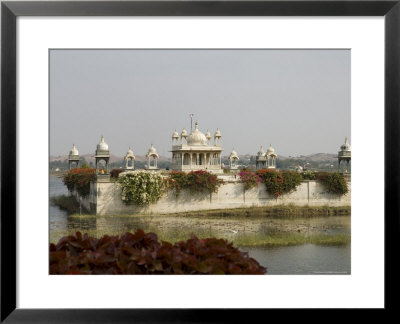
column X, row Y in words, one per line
column 105, row 199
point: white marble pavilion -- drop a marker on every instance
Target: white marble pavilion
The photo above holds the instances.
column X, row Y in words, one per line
column 266, row 160
column 196, row 152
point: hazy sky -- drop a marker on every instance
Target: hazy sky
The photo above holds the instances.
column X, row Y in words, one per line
column 296, row 100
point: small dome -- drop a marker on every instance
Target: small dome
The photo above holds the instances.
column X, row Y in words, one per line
column 208, row 135
column 233, row 154
column 73, row 151
column 152, row 150
column 175, row 134
column 102, row 146
column 346, row 146
column 129, row 154
column 261, row 151
column 196, row 137
column 217, row 133
column 270, row 149
column 184, row 133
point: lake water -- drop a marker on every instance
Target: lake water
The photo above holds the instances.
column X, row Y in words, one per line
column 244, row 232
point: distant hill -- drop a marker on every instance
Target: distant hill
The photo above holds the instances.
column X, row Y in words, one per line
column 317, row 157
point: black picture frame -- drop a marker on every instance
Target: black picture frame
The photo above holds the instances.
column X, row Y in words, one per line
column 10, row 10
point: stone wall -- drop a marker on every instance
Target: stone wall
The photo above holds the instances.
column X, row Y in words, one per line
column 105, row 199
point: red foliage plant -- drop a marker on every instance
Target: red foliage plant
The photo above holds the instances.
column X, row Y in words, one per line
column 115, row 173
column 80, row 179
column 141, row 253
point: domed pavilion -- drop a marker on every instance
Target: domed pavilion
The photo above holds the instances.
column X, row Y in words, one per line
column 129, row 160
column 266, row 160
column 344, row 155
column 196, row 152
column 73, row 157
column 152, row 158
column 102, row 155
column 233, row 160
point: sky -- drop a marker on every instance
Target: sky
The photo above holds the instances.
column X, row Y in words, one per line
column 296, row 100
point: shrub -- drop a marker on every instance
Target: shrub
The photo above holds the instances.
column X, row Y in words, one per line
column 115, row 173
column 79, row 179
column 195, row 181
column 176, row 180
column 278, row 183
column 249, row 179
column 203, row 181
column 140, row 187
column 141, row 253
column 334, row 182
column 309, row 175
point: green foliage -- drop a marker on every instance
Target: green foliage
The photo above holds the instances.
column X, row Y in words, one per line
column 194, row 181
column 85, row 165
column 140, row 187
column 334, row 182
column 79, row 179
column 279, row 182
column 141, row 253
column 309, row 175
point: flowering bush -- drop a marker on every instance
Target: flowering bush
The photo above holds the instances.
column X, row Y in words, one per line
column 140, row 187
column 141, row 253
column 195, row 181
column 203, row 181
column 176, row 180
column 80, row 179
column 334, row 182
column 249, row 179
column 279, row 182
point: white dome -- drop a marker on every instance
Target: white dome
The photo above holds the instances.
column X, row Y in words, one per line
column 73, row 151
column 175, row 134
column 270, row 149
column 184, row 133
column 233, row 154
column 196, row 137
column 130, row 152
column 152, row 150
column 261, row 151
column 217, row 133
column 102, row 146
column 208, row 135
column 346, row 146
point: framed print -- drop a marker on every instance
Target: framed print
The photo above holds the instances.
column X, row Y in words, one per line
column 91, row 93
